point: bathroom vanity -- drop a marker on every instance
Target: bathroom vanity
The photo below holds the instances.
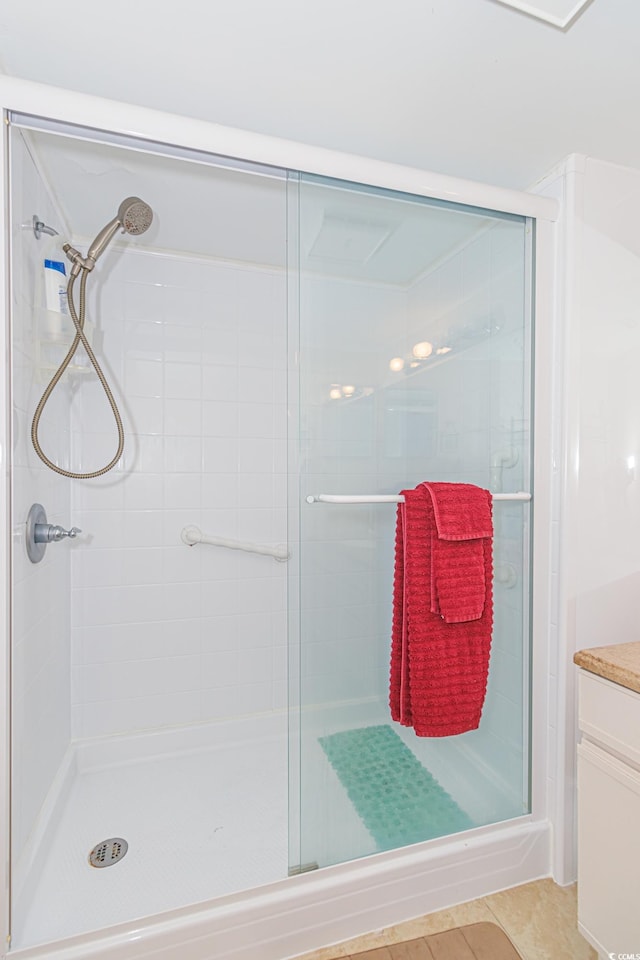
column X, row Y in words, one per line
column 609, row 797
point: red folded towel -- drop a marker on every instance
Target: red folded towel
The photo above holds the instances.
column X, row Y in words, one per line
column 439, row 669
column 462, row 514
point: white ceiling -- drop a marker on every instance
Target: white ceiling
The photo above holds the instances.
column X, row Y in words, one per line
column 473, row 88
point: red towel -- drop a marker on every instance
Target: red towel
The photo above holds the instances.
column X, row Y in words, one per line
column 462, row 514
column 439, row 668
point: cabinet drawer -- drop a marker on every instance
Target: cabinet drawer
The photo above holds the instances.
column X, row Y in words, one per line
column 608, row 851
column 610, row 715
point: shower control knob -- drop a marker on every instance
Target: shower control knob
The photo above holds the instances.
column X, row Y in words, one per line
column 38, row 533
column 48, row 533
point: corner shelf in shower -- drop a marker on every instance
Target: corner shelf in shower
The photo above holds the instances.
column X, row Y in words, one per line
column 51, row 347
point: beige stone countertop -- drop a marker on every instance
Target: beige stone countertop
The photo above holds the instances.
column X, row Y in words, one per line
column 619, row 663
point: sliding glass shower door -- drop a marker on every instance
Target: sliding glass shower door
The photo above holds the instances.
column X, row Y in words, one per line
column 410, row 328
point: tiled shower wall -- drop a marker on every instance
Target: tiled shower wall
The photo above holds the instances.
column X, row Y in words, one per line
column 40, row 616
column 164, row 633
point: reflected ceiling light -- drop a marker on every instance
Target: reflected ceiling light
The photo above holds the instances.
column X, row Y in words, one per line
column 396, row 364
column 335, row 393
column 442, row 350
column 414, row 363
column 422, row 350
column 348, row 390
column 559, row 13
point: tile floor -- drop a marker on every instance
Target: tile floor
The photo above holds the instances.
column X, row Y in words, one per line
column 538, row 917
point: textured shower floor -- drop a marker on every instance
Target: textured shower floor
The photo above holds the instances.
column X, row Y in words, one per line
column 200, row 824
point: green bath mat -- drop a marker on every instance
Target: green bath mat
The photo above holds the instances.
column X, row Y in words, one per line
column 396, row 798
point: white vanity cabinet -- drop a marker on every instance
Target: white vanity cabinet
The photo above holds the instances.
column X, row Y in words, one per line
column 609, row 815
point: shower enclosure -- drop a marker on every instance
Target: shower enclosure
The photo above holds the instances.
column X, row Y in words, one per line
column 202, row 672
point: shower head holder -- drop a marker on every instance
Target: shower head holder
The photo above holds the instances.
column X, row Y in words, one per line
column 134, row 217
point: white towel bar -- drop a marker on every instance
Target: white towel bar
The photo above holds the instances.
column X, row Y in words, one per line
column 192, row 535
column 392, row 498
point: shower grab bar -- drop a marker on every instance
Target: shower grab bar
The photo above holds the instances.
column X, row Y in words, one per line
column 392, row 498
column 192, row 535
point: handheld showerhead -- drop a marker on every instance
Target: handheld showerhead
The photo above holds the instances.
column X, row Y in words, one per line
column 134, row 216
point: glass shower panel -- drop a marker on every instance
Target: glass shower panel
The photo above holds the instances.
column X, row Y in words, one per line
column 413, row 318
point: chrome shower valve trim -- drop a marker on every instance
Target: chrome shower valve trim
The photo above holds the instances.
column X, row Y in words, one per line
column 48, row 533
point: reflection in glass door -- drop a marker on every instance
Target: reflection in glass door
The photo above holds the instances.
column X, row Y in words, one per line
column 411, row 322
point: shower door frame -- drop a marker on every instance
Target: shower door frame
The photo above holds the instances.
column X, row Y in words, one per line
column 200, row 927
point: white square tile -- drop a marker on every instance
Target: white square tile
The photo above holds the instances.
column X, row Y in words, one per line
column 144, row 454
column 144, row 414
column 255, row 490
column 143, row 378
column 254, row 630
column 255, row 665
column 144, row 339
column 253, row 697
column 255, row 455
column 92, row 568
column 257, row 526
column 183, row 490
column 220, row 669
column 220, row 599
column 181, row 564
column 257, row 595
column 220, row 383
column 182, row 343
column 183, row 418
column 142, row 565
column 257, row 385
column 220, row 345
column 182, row 601
column 219, row 633
column 255, row 420
column 183, row 454
column 219, row 418
column 142, row 299
column 142, row 528
column 182, row 381
column 220, row 454
column 143, row 491
column 257, row 349
column 102, row 528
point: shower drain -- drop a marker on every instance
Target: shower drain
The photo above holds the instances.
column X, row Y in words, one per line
column 108, row 852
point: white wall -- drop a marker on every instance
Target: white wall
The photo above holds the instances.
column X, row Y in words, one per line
column 595, row 553
column 41, row 611
column 600, row 547
column 164, row 633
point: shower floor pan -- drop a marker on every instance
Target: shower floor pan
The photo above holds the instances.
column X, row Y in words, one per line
column 204, row 812
column 201, row 821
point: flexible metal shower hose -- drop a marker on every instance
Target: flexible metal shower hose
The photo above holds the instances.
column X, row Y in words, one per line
column 80, row 337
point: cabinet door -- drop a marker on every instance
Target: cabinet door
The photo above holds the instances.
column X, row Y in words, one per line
column 609, row 850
